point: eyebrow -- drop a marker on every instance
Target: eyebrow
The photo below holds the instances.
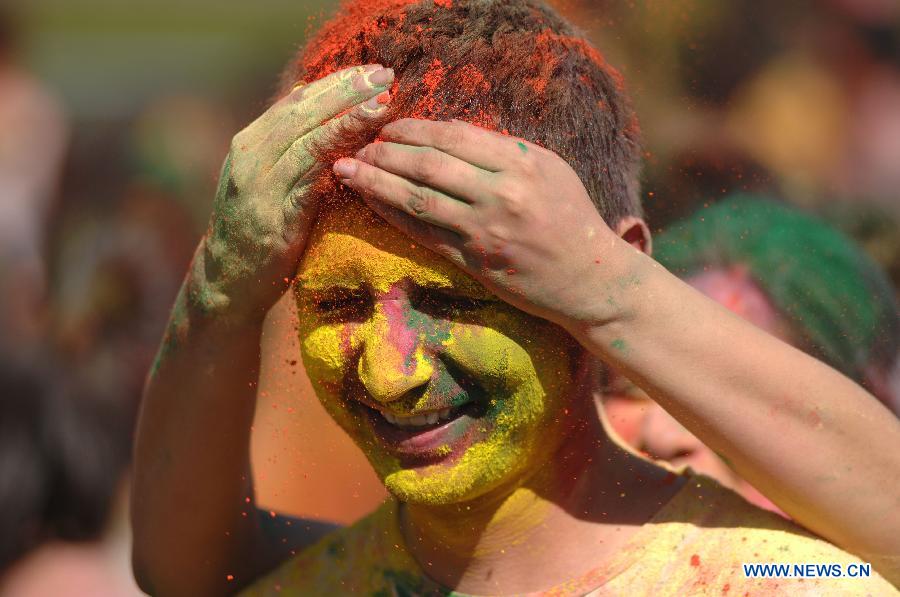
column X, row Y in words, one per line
column 467, row 290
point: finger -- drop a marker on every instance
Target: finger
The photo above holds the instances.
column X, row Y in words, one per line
column 300, row 157
column 431, row 167
column 316, row 104
column 421, row 202
column 440, row 240
column 277, row 110
column 475, row 145
column 299, row 213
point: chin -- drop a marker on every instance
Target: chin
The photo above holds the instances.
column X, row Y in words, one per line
column 483, row 468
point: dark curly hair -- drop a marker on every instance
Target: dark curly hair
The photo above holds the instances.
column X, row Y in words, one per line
column 513, row 66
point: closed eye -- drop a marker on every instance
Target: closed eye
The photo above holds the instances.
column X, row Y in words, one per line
column 440, row 303
column 343, row 303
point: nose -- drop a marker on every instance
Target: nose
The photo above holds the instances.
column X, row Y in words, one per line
column 663, row 437
column 393, row 361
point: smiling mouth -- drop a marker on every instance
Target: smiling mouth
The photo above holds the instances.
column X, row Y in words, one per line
column 427, row 438
column 436, row 435
column 423, row 421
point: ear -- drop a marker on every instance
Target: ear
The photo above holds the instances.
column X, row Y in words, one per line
column 636, row 233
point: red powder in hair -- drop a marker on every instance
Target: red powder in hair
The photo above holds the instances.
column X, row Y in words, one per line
column 452, row 61
column 355, row 27
column 484, row 118
column 433, row 79
column 435, row 76
column 544, row 45
column 472, row 81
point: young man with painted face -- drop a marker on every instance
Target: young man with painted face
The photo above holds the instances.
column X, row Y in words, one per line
column 455, row 336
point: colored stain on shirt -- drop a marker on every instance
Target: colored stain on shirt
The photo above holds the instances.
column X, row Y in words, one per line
column 695, row 545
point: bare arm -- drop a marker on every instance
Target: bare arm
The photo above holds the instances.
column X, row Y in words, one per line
column 516, row 217
column 196, row 530
column 192, row 470
column 814, row 442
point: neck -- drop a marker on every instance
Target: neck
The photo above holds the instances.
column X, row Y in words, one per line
column 580, row 506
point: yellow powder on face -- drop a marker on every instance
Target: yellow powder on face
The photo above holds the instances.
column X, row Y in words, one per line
column 520, row 361
column 349, row 238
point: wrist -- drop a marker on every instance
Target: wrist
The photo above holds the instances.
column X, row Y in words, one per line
column 210, row 302
column 609, row 287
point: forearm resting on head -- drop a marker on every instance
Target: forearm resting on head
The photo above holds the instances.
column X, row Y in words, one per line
column 811, row 440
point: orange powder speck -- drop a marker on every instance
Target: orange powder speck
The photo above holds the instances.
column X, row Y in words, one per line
column 448, row 4
column 484, row 119
column 432, row 80
column 472, row 80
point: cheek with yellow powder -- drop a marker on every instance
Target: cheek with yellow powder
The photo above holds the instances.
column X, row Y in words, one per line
column 525, row 391
column 521, row 364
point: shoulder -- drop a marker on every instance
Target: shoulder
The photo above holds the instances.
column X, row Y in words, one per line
column 366, row 557
column 703, row 539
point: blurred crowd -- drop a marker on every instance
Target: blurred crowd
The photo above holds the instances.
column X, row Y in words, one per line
column 99, row 216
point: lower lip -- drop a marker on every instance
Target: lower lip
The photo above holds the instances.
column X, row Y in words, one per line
column 427, row 445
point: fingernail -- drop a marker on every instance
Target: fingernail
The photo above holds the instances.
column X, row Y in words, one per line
column 377, row 103
column 380, row 78
column 346, row 168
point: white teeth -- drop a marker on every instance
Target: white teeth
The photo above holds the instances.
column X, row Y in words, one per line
column 417, row 420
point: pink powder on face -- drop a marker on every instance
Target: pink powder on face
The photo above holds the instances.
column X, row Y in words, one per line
column 401, row 336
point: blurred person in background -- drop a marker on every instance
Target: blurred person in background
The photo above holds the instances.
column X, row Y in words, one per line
column 112, row 274
column 32, row 148
column 85, row 284
column 789, row 274
column 62, row 453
